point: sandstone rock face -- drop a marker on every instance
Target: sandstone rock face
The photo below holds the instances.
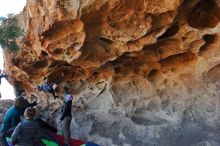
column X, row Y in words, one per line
column 145, row 72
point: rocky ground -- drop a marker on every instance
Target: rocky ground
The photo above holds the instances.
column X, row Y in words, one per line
column 144, row 72
column 4, row 105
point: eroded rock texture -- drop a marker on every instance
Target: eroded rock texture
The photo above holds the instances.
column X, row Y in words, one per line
column 145, row 72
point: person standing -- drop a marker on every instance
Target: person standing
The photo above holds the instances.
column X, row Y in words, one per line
column 12, row 116
column 66, row 117
column 21, row 95
column 11, row 119
column 27, row 132
column 2, row 75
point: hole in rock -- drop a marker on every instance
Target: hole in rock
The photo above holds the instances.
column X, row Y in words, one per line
column 108, row 41
column 58, row 51
column 117, row 69
column 40, row 64
column 56, row 75
column 204, row 15
column 15, row 61
column 95, row 73
column 43, row 53
column 153, row 72
column 209, row 38
column 170, row 32
column 59, row 63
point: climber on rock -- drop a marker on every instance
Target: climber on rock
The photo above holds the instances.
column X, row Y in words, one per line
column 66, row 117
column 27, row 132
column 50, row 87
column 2, row 75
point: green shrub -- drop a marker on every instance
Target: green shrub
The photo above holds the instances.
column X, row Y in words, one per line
column 9, row 31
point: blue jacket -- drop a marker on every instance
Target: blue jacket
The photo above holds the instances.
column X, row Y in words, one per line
column 3, row 76
column 46, row 87
column 11, row 119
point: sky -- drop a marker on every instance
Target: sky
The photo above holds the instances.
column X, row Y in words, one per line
column 8, row 7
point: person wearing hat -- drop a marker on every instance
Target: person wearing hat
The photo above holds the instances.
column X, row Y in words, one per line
column 66, row 117
column 27, row 132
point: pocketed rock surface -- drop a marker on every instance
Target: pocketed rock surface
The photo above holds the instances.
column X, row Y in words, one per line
column 144, row 72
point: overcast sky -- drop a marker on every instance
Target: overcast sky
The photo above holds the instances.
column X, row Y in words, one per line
column 8, row 7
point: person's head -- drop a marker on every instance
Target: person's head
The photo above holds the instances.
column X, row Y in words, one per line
column 68, row 97
column 54, row 86
column 30, row 113
column 20, row 102
column 21, row 92
column 45, row 79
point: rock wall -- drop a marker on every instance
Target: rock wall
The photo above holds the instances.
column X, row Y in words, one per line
column 145, row 72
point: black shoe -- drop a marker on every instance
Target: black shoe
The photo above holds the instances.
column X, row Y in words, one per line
column 56, row 97
column 39, row 87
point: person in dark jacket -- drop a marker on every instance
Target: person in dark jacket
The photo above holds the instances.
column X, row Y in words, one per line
column 50, row 87
column 66, row 117
column 11, row 119
column 27, row 132
column 21, row 95
column 2, row 75
column 12, row 116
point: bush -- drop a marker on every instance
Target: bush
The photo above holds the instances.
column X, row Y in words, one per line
column 9, row 31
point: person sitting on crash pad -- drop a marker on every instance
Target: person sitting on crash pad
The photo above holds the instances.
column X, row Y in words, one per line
column 66, row 117
column 2, row 75
column 27, row 132
column 50, row 87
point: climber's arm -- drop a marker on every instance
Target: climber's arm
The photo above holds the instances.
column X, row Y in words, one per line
column 65, row 109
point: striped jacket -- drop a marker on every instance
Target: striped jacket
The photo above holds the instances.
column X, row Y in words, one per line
column 26, row 133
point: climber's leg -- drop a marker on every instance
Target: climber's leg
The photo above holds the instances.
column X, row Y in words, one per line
column 54, row 94
column 66, row 130
column 39, row 87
